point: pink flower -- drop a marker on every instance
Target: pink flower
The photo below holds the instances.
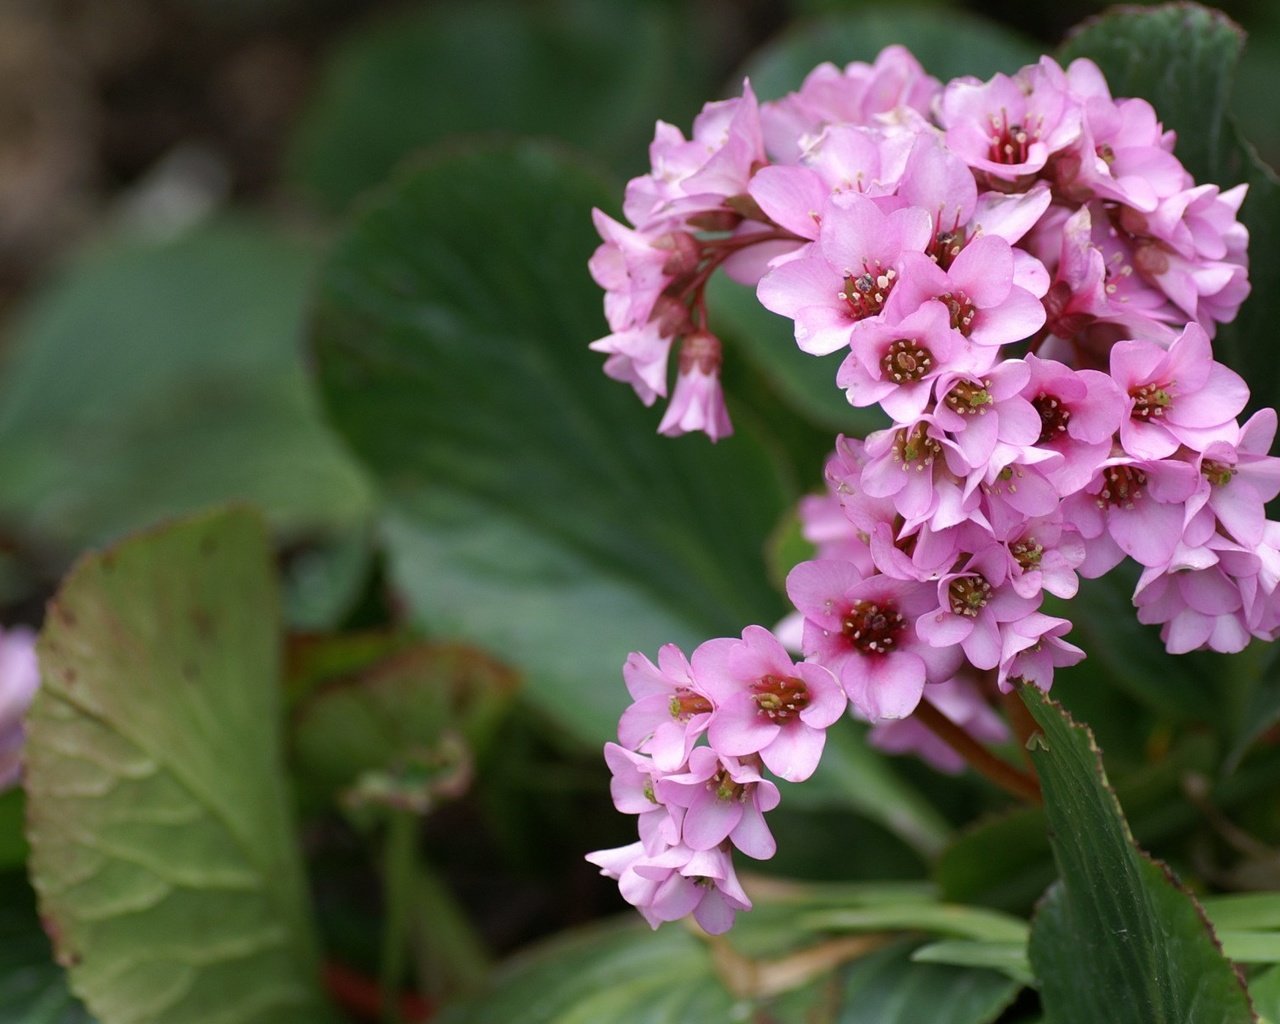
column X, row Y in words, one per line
column 1214, row 597
column 978, row 289
column 633, row 790
column 676, row 882
column 1175, row 396
column 634, row 268
column 765, row 704
column 863, row 630
column 698, row 174
column 1080, row 411
column 1123, row 153
column 1132, row 507
column 670, row 711
column 854, row 95
column 847, row 276
column 974, row 608
column 1033, row 647
column 981, row 413
column 638, row 356
column 895, row 365
column 1239, row 478
column 698, row 401
column 19, row 680
column 917, row 466
column 1009, row 127
column 723, row 798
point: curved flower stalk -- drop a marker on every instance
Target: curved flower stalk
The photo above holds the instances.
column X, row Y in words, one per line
column 1022, row 276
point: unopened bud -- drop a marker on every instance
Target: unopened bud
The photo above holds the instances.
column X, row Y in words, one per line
column 702, row 351
column 684, row 253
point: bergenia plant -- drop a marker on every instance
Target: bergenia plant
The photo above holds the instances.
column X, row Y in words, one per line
column 1021, row 275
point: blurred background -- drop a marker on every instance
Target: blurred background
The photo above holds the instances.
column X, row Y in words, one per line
column 172, row 173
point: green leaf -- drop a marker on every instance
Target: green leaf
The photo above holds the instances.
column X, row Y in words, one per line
column 1116, row 938
column 162, row 845
column 1009, row 958
column 1264, row 990
column 13, row 845
column 889, row 987
column 935, row 918
column 1006, row 862
column 155, row 378
column 530, row 507
column 595, row 75
column 33, row 989
column 1182, row 57
column 620, row 974
column 947, row 46
column 1244, row 911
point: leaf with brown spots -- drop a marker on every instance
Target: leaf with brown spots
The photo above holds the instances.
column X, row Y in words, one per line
column 162, row 846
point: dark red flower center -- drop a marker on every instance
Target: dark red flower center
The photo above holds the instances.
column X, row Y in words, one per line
column 779, row 697
column 906, row 361
column 1151, row 400
column 1027, row 553
column 873, row 627
column 962, row 311
column 1010, row 143
column 912, row 446
column 1054, row 417
column 1121, row 486
column 865, row 294
column 968, row 397
column 725, row 788
column 685, row 704
column 945, row 247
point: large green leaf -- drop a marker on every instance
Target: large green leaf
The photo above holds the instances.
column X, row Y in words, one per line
column 1182, row 57
column 595, row 75
column 154, row 378
column 162, row 846
column 950, row 45
column 621, row 974
column 530, row 506
column 1116, row 938
column 888, row 987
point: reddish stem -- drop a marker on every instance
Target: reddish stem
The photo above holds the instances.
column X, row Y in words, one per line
column 985, row 763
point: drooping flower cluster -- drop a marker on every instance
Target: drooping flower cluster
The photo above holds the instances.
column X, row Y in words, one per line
column 1023, row 277
column 19, row 679
column 697, row 801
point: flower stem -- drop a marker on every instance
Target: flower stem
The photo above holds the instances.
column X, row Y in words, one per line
column 398, row 857
column 985, row 763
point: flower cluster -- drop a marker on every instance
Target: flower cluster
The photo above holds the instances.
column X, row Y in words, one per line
column 1025, row 280
column 698, row 801
column 19, row 678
